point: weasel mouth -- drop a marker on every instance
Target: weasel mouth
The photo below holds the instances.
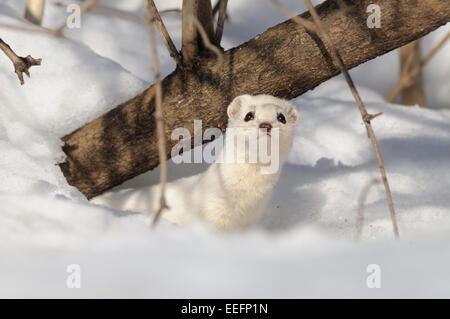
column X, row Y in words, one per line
column 264, row 134
column 265, row 129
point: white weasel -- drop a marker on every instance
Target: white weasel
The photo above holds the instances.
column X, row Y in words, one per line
column 229, row 195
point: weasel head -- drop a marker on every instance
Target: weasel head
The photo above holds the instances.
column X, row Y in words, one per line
column 248, row 111
column 265, row 115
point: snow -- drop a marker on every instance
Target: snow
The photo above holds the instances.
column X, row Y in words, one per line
column 305, row 244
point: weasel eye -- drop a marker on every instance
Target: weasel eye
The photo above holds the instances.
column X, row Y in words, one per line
column 281, row 118
column 249, row 117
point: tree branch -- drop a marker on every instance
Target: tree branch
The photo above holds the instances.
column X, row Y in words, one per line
column 205, row 17
column 196, row 18
column 284, row 61
column 220, row 21
column 202, row 32
column 163, row 32
column 189, row 44
column 21, row 64
column 215, row 10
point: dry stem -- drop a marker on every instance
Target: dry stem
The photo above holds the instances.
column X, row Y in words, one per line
column 408, row 74
column 366, row 116
column 29, row 28
column 158, row 114
column 108, row 12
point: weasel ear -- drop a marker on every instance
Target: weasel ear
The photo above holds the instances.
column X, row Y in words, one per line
column 293, row 115
column 235, row 105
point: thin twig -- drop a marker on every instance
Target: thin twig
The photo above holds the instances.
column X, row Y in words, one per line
column 88, row 5
column 405, row 77
column 29, row 28
column 220, row 21
column 215, row 10
column 108, row 12
column 163, row 30
column 408, row 74
column 365, row 116
column 308, row 25
column 21, row 64
column 158, row 115
column 435, row 49
column 361, row 203
column 164, row 34
column 111, row 12
column 320, row 30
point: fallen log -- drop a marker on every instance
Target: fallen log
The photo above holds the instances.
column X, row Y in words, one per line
column 284, row 61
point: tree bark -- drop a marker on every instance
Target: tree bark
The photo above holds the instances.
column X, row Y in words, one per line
column 284, row 61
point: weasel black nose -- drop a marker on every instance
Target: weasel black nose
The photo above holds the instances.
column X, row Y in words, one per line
column 267, row 126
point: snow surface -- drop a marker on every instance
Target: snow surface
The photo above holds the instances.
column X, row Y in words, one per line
column 303, row 247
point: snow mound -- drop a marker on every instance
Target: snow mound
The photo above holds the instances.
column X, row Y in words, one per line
column 72, row 86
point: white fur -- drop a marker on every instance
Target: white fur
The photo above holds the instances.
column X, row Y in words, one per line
column 228, row 195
